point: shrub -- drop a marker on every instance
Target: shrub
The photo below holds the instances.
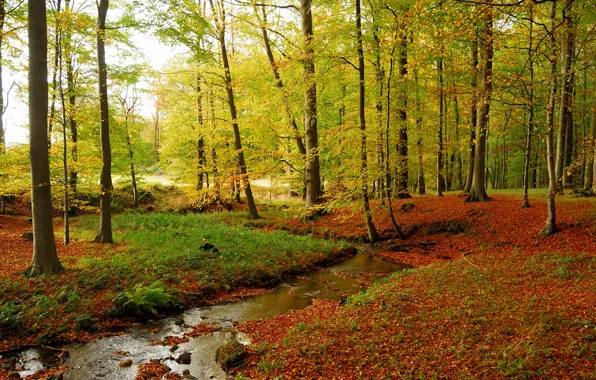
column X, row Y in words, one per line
column 141, row 300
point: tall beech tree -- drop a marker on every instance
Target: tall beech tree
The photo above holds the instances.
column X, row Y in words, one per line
column 106, row 187
column 373, row 236
column 45, row 257
column 478, row 189
column 219, row 15
column 313, row 169
column 473, row 111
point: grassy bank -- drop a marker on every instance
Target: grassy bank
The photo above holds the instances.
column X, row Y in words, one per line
column 160, row 261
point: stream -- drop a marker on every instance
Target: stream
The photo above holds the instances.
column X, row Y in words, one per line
column 99, row 359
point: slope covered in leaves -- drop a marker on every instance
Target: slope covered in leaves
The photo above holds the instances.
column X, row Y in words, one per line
column 509, row 304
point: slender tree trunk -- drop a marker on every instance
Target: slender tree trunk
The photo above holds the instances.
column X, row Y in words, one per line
column 156, row 134
column 279, row 83
column 419, row 142
column 252, row 207
column 566, row 93
column 45, row 259
column 200, row 141
column 460, row 176
column 54, row 73
column 551, row 225
column 473, row 113
column 105, row 198
column 402, row 136
column 388, row 179
column 373, row 236
column 133, row 176
column 66, row 200
column 313, row 174
column 440, row 178
column 526, row 179
column 478, row 189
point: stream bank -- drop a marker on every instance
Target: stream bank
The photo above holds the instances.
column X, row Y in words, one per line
column 119, row 357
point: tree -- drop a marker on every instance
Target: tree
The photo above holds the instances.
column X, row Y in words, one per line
column 220, row 28
column 530, row 106
column 551, row 219
column 106, row 187
column 473, row 112
column 313, row 171
column 478, row 189
column 45, row 258
column 373, row 236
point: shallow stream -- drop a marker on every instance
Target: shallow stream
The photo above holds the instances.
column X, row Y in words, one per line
column 100, row 359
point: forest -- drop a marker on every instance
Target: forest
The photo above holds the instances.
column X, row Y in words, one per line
column 282, row 189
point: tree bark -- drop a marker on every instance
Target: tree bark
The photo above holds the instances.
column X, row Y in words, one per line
column 551, row 225
column 419, row 142
column 313, row 173
column 528, row 152
column 440, row 178
column 106, row 187
column 373, row 236
column 402, row 135
column 478, row 189
column 252, row 207
column 566, row 94
column 201, row 161
column 54, row 73
column 473, row 112
column 45, row 259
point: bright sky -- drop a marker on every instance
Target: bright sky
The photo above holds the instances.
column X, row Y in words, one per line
column 17, row 113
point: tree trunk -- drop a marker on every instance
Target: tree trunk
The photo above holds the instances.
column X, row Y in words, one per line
column 278, row 82
column 460, row 175
column 528, row 152
column 200, row 141
column 478, row 189
column 473, row 113
column 45, row 259
column 402, row 136
column 252, row 207
column 551, row 225
column 373, row 236
column 54, row 74
column 566, row 93
column 66, row 200
column 440, row 178
column 313, row 174
column 419, row 142
column 105, row 197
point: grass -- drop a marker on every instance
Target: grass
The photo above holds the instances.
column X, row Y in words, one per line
column 108, row 280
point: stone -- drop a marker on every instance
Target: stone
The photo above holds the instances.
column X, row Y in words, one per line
column 184, row 358
column 28, row 235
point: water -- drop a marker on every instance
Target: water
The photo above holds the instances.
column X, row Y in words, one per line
column 101, row 359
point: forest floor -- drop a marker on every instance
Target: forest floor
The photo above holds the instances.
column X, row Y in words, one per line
column 489, row 297
column 496, row 301
column 160, row 263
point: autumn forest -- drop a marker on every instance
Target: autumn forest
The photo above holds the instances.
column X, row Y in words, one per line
column 297, row 189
